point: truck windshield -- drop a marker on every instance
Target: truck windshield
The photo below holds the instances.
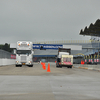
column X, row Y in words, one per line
column 23, row 51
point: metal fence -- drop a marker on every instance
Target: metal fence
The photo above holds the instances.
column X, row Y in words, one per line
column 5, row 54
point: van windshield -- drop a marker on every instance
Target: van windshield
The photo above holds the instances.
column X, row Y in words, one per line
column 23, row 51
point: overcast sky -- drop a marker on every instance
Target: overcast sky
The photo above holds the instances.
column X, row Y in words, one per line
column 46, row 20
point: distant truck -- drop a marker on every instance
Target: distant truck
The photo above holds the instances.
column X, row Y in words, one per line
column 24, row 54
column 64, row 58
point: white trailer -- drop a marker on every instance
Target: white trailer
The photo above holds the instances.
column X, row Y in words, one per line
column 67, row 60
column 64, row 58
column 24, row 54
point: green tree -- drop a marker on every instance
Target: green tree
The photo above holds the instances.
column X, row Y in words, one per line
column 6, row 47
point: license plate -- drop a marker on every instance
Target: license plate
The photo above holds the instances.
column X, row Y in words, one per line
column 23, row 63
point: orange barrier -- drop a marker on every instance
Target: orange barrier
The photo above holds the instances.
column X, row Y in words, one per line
column 48, row 70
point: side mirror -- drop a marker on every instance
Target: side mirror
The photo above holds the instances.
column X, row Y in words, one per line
column 14, row 51
column 32, row 52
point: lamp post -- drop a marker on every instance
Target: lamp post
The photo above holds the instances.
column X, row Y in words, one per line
column 98, row 48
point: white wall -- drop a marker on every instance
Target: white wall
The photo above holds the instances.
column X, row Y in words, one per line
column 73, row 47
column 7, row 61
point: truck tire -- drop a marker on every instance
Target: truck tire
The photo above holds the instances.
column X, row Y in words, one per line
column 70, row 66
column 56, row 66
column 67, row 66
column 16, row 65
column 30, row 65
column 60, row 66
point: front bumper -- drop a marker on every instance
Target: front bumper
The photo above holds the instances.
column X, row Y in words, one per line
column 24, row 63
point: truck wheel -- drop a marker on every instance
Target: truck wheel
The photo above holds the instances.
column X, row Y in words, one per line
column 16, row 65
column 30, row 65
column 70, row 66
column 60, row 66
column 56, row 66
column 67, row 66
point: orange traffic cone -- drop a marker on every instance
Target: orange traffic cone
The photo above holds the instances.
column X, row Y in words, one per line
column 44, row 67
column 82, row 62
column 41, row 63
column 48, row 70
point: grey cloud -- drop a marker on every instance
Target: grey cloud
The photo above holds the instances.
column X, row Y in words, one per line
column 39, row 20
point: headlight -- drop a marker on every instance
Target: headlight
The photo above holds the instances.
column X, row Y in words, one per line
column 29, row 61
column 17, row 61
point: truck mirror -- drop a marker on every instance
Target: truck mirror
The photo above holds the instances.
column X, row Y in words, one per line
column 32, row 52
column 14, row 51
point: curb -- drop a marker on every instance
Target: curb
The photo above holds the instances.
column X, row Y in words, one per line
column 88, row 67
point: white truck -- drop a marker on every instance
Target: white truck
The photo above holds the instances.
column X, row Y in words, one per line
column 24, row 54
column 64, row 58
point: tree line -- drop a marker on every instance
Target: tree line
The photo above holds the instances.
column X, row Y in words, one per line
column 6, row 47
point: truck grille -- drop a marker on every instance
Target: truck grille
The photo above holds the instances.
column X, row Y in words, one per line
column 23, row 58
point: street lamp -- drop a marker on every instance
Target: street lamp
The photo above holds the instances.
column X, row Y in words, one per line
column 98, row 48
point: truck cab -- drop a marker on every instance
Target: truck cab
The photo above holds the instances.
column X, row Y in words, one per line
column 24, row 54
column 58, row 62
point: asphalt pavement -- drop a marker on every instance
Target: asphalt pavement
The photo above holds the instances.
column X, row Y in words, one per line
column 34, row 83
